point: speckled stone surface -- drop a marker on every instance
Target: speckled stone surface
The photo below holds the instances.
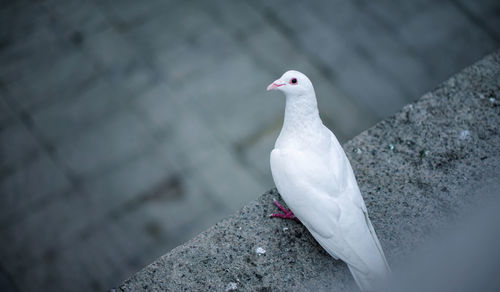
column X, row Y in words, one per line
column 417, row 170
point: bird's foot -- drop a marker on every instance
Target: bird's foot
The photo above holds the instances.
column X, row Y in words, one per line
column 287, row 214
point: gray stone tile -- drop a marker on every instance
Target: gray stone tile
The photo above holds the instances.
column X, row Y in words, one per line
column 380, row 47
column 163, row 31
column 200, row 152
column 439, row 33
column 61, row 222
column 191, row 141
column 118, row 248
column 180, row 214
column 225, row 164
column 17, row 143
column 6, row 112
column 57, row 76
column 113, row 140
column 129, row 12
column 49, row 225
column 79, row 268
column 65, row 274
column 38, row 179
column 137, row 177
column 111, row 50
column 487, row 13
column 257, row 154
column 205, row 51
column 125, row 244
column 236, row 16
column 70, row 115
column 75, row 16
column 232, row 109
column 21, row 18
column 158, row 106
column 21, row 44
column 374, row 91
column 133, row 80
column 396, row 14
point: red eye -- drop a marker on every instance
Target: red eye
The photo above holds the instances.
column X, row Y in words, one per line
column 293, row 81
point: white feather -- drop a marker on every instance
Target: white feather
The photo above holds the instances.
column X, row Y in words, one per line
column 315, row 178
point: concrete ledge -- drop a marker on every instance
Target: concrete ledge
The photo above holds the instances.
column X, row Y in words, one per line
column 416, row 170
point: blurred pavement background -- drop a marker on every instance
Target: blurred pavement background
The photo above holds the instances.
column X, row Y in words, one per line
column 127, row 127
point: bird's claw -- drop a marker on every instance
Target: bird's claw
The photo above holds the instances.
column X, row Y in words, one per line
column 287, row 214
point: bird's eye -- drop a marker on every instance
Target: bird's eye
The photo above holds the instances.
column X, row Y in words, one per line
column 293, row 81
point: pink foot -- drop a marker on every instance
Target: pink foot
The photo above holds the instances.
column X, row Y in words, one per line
column 287, row 214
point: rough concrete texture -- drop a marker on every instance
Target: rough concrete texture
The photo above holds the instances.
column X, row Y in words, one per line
column 417, row 170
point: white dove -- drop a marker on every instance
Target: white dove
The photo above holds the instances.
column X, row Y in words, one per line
column 315, row 179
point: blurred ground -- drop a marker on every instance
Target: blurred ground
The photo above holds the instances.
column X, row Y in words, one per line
column 127, row 127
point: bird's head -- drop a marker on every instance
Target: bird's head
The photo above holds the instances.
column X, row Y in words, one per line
column 292, row 83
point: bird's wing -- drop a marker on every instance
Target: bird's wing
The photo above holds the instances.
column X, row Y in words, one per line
column 336, row 222
column 352, row 191
column 342, row 173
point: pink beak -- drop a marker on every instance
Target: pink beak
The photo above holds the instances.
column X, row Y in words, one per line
column 275, row 85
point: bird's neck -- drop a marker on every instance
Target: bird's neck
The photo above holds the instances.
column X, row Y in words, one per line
column 302, row 124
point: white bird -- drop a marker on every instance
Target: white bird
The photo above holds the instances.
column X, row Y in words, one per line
column 315, row 179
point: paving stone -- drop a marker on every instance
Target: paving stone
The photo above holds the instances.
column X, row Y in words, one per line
column 158, row 105
column 76, row 269
column 77, row 19
column 441, row 31
column 205, row 51
column 135, row 177
column 21, row 39
column 189, row 136
column 61, row 222
column 58, row 76
column 240, row 104
column 70, row 115
column 16, row 143
column 237, row 16
column 486, row 11
column 378, row 45
column 66, row 274
column 182, row 212
column 134, row 80
column 6, row 114
column 22, row 17
column 224, row 163
column 173, row 29
column 36, row 180
column 128, row 12
column 257, row 154
column 115, row 139
column 49, row 225
column 115, row 249
column 395, row 15
column 111, row 50
column 212, row 160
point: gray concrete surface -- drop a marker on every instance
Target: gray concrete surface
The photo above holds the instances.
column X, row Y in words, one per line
column 126, row 126
column 418, row 171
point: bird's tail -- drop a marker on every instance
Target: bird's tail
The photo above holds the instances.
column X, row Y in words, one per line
column 363, row 280
column 367, row 282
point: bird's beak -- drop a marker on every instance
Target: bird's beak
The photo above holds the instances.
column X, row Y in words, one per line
column 277, row 83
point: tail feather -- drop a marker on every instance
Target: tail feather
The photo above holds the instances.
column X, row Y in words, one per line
column 365, row 282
